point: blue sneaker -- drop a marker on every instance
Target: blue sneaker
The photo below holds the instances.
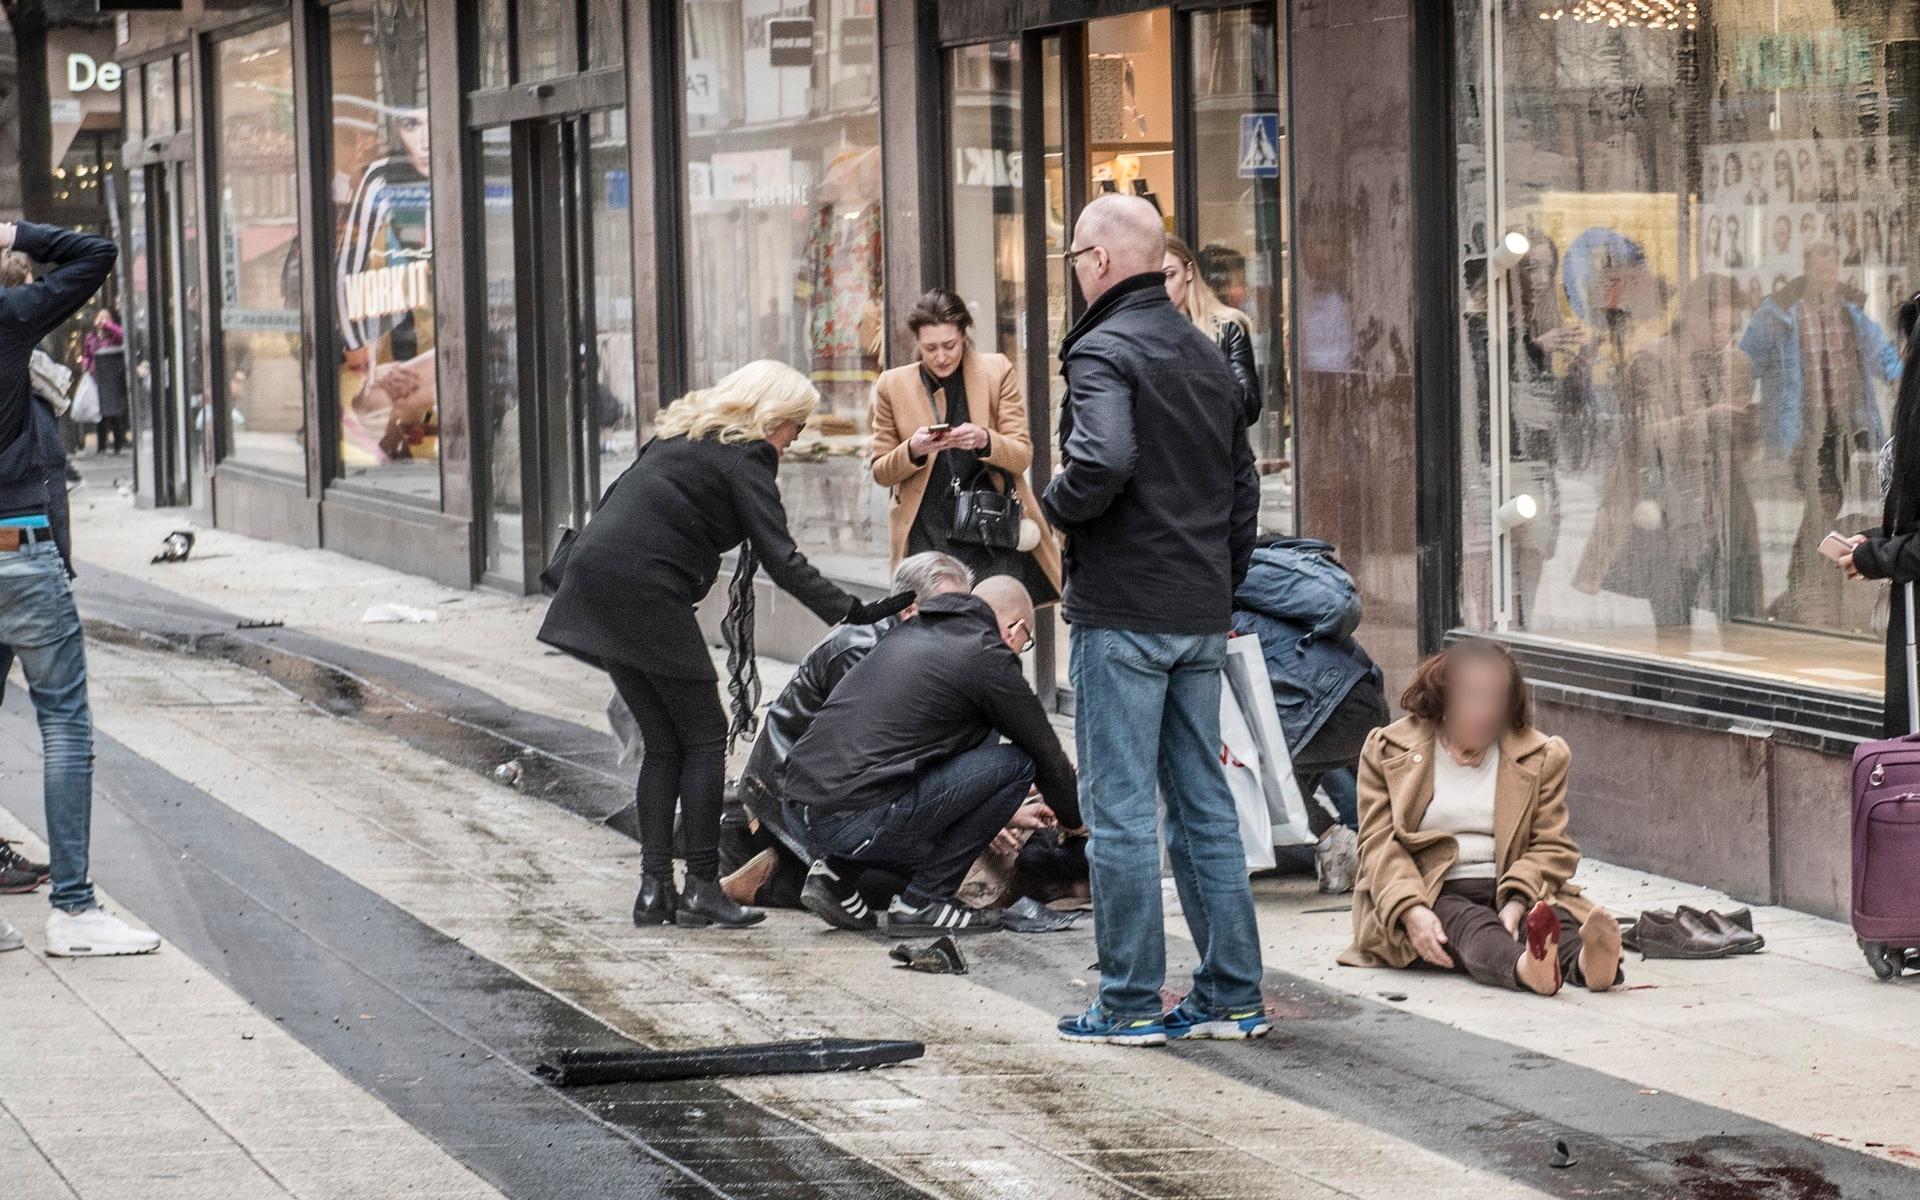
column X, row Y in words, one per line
column 1094, row 1025
column 1186, row 1021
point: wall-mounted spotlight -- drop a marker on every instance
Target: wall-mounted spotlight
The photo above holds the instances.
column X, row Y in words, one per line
column 1517, row 511
column 1512, row 248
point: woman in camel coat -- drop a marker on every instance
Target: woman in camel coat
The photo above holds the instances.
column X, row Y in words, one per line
column 1465, row 859
column 977, row 396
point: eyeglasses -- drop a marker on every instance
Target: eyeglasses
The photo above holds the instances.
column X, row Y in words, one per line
column 1026, row 635
column 1070, row 255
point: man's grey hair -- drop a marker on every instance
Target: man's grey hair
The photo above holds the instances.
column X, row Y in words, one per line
column 925, row 574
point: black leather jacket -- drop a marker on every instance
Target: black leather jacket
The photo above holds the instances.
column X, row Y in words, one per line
column 1156, row 491
column 1238, row 348
column 792, row 714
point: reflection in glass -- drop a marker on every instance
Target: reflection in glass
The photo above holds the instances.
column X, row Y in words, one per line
column 260, row 269
column 989, row 250
column 608, row 205
column 548, row 45
column 1689, row 369
column 495, row 36
column 1130, row 107
column 605, row 38
column 160, row 97
column 1240, row 205
column 196, row 446
column 500, row 356
column 384, row 377
column 783, row 246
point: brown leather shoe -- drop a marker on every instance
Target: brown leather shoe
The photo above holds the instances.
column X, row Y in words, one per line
column 1737, row 931
column 1660, row 934
column 743, row 886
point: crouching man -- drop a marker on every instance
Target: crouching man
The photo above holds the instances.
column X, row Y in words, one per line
column 771, row 866
column 903, row 768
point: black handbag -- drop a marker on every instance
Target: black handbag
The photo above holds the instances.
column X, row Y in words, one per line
column 984, row 515
column 556, row 568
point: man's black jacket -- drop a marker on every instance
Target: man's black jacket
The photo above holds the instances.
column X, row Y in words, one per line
column 937, row 686
column 74, row 265
column 792, row 714
column 1156, row 492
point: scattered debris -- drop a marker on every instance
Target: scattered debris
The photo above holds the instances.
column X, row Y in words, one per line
column 1396, row 997
column 1649, row 1091
column 585, row 1068
column 507, row 773
column 1562, row 1156
column 398, row 614
column 939, row 957
column 178, row 545
column 271, row 623
column 1027, row 915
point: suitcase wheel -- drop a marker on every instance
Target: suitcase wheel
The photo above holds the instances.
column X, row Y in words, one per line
column 1885, row 961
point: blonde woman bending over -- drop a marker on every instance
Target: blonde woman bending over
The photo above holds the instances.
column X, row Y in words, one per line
column 701, row 488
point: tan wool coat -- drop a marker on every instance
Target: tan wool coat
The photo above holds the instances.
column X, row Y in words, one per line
column 901, row 405
column 1401, row 866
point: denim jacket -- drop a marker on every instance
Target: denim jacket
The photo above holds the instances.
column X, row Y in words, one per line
column 1772, row 344
column 1302, row 605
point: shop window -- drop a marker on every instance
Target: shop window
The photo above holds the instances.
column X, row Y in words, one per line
column 783, row 242
column 385, row 384
column 1682, row 348
column 160, row 97
column 494, row 28
column 989, row 246
column 1239, row 218
column 260, row 270
column 549, row 38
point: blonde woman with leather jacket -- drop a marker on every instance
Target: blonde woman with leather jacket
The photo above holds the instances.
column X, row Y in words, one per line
column 1228, row 327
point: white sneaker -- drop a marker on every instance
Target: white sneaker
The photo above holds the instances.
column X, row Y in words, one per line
column 95, row 933
column 10, row 938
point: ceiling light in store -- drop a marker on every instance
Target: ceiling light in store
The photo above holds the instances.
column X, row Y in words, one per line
column 1629, row 14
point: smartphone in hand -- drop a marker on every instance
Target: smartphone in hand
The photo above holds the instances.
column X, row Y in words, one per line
column 1836, row 547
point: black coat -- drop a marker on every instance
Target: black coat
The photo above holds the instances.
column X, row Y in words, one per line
column 939, row 685
column 74, row 265
column 1238, row 347
column 653, row 550
column 1893, row 557
column 1156, row 492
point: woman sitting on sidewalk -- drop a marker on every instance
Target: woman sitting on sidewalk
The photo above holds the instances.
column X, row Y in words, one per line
column 1464, row 853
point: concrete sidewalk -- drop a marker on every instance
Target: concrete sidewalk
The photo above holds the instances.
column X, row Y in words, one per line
column 1741, row 1067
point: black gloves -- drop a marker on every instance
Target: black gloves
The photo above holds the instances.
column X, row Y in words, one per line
column 879, row 610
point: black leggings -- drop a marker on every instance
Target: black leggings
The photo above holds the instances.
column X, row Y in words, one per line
column 117, row 426
column 685, row 734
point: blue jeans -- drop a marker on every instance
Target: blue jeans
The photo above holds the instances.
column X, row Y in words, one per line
column 1147, row 711
column 40, row 627
column 934, row 832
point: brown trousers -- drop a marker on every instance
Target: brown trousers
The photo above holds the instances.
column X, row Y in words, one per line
column 1480, row 944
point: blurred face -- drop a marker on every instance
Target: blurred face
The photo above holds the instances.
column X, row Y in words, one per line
column 1823, row 269
column 782, row 435
column 1179, row 277
column 941, row 349
column 1478, row 701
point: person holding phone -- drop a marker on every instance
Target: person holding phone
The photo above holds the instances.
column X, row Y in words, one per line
column 1892, row 552
column 936, row 426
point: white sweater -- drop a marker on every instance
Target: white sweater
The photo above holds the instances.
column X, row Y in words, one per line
column 1463, row 806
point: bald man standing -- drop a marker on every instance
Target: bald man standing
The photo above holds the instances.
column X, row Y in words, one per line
column 1159, row 501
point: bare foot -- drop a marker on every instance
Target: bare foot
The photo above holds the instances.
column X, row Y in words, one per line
column 1539, row 974
column 1599, row 950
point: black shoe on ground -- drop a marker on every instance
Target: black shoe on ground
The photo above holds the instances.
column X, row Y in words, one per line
column 18, row 873
column 655, row 903
column 831, row 899
column 702, row 903
column 942, row 916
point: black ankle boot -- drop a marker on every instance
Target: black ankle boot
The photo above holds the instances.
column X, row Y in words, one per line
column 655, row 903
column 702, row 903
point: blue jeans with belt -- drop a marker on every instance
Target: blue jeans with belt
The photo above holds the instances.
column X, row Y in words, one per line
column 1147, row 714
column 40, row 626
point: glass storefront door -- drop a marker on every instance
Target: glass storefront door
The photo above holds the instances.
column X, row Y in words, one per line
column 559, row 308
column 163, row 330
column 1185, row 109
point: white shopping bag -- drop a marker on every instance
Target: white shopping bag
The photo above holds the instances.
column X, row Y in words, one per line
column 1240, row 760
column 1248, row 689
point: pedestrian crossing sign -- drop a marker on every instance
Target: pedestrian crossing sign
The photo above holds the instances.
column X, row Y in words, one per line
column 1260, row 145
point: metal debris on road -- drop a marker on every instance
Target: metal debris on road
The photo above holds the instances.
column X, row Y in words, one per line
column 398, row 614
column 508, row 773
column 585, row 1068
column 271, row 623
column 178, row 545
column 939, row 957
column 1562, row 1156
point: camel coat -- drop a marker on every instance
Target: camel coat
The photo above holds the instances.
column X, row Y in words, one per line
column 901, row 405
column 1400, row 866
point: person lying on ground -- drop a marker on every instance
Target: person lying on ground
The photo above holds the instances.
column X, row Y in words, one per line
column 768, row 865
column 1464, row 853
column 902, row 769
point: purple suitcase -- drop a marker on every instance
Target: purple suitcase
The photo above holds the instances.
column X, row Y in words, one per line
column 1886, row 836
